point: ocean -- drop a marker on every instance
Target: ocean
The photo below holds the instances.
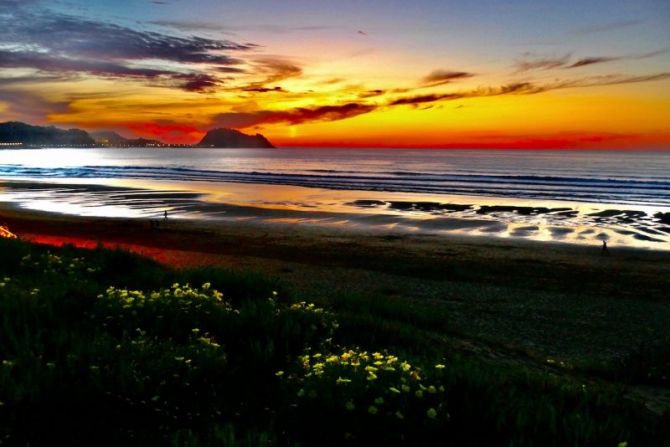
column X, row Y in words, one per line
column 574, row 196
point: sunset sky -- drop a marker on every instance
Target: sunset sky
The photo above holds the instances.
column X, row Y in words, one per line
column 440, row 73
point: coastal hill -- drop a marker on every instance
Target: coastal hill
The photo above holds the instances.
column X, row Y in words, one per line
column 18, row 133
column 109, row 137
column 230, row 138
column 113, row 139
column 15, row 134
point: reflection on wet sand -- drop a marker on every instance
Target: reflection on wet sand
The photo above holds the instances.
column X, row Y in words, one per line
column 288, row 205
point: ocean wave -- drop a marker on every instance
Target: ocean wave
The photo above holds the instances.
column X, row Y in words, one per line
column 556, row 187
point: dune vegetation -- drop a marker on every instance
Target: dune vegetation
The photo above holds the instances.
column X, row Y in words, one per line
column 101, row 347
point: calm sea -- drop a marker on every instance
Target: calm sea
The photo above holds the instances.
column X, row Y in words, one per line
column 572, row 196
column 640, row 178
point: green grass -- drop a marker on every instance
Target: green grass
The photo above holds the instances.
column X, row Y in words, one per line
column 107, row 348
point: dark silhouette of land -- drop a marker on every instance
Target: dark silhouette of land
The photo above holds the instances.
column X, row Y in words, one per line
column 14, row 132
column 17, row 135
column 230, row 138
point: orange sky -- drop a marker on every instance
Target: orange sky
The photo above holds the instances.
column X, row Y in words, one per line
column 531, row 75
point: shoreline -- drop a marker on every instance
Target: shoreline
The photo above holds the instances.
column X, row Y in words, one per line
column 524, row 301
column 211, row 205
column 264, row 246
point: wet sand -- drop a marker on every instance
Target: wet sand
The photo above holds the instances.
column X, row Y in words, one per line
column 268, row 245
column 359, row 211
column 530, row 300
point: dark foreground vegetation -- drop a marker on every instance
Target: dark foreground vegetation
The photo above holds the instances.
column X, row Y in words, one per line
column 106, row 348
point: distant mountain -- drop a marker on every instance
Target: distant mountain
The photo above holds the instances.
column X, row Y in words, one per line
column 113, row 139
column 19, row 134
column 16, row 132
column 108, row 137
column 143, row 142
column 230, row 138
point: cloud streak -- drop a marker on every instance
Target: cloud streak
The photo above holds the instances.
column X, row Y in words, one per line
column 534, row 62
column 441, row 77
column 60, row 43
column 299, row 115
column 529, row 88
column 63, row 68
column 273, row 70
column 590, row 61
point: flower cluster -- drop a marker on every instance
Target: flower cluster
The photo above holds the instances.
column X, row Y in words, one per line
column 306, row 307
column 183, row 293
column 379, row 384
column 52, row 263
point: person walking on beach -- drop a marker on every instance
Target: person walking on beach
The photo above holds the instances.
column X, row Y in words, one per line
column 165, row 215
column 605, row 251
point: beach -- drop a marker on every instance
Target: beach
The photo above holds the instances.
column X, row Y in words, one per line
column 508, row 294
column 584, row 199
column 496, row 272
column 539, row 298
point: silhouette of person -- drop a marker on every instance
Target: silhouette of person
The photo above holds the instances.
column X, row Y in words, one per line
column 605, row 251
column 165, row 214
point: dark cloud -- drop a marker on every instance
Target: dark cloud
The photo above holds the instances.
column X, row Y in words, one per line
column 263, row 89
column 274, row 70
column 534, row 62
column 371, row 93
column 440, row 77
column 62, row 68
column 232, row 70
column 54, row 43
column 300, row 115
column 46, row 62
column 529, row 88
column 596, row 81
column 519, row 88
column 196, row 82
column 79, row 37
column 421, row 99
column 190, row 25
column 591, row 60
